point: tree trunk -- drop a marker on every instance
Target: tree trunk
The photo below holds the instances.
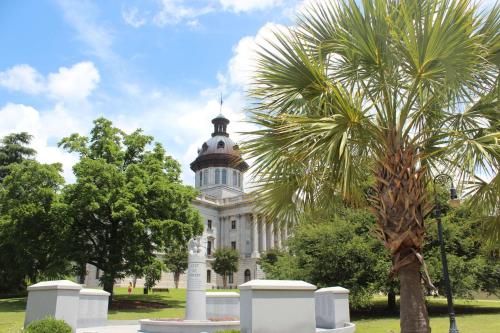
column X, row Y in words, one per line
column 134, row 281
column 391, row 300
column 176, row 279
column 224, row 281
column 108, row 283
column 413, row 311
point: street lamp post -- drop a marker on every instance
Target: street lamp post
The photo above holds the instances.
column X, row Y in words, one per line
column 443, row 179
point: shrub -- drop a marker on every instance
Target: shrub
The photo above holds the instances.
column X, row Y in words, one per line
column 48, row 325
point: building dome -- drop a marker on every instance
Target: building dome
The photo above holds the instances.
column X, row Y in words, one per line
column 219, row 150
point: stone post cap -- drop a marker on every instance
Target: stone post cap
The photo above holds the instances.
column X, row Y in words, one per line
column 223, row 294
column 277, row 285
column 332, row 290
column 55, row 285
column 94, row 292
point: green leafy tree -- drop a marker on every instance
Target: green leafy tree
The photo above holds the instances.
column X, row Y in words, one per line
column 472, row 265
column 127, row 203
column 176, row 261
column 32, row 225
column 336, row 252
column 409, row 88
column 225, row 262
column 152, row 273
column 13, row 149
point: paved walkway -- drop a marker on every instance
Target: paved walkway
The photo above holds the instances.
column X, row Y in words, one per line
column 113, row 326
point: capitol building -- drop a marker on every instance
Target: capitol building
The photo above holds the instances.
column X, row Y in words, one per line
column 229, row 214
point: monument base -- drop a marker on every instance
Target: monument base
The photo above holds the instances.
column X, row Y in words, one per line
column 186, row 326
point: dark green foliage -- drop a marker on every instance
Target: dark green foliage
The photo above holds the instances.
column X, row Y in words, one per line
column 127, row 203
column 152, row 273
column 49, row 325
column 32, row 225
column 13, row 150
column 225, row 262
column 472, row 266
column 336, row 252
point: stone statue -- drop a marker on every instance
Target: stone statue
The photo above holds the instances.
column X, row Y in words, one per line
column 198, row 245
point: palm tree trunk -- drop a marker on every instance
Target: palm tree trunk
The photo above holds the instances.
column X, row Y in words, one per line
column 413, row 311
column 400, row 207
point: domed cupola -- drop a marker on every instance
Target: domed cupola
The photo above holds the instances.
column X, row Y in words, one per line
column 219, row 161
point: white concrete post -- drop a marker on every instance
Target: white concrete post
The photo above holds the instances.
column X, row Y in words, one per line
column 332, row 307
column 93, row 308
column 277, row 306
column 196, row 279
column 263, row 234
column 255, row 236
column 223, row 305
column 58, row 299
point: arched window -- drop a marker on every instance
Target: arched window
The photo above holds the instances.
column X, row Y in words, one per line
column 205, row 177
column 220, row 144
column 217, row 176
column 224, row 176
column 248, row 275
column 235, row 178
column 204, row 147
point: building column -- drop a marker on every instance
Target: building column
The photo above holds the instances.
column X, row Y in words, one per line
column 255, row 236
column 263, row 234
column 278, row 236
column 271, row 235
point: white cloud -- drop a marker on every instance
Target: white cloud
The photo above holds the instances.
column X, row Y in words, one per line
column 243, row 62
column 45, row 128
column 131, row 17
column 174, row 11
column 22, row 78
column 249, row 5
column 82, row 16
column 72, row 84
column 75, row 83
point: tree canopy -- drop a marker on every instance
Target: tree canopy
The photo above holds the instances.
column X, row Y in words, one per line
column 225, row 262
column 33, row 226
column 128, row 201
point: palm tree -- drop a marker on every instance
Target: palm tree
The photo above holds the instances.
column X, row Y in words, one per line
column 406, row 88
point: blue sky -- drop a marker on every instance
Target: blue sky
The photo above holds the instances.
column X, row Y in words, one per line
column 158, row 65
column 154, row 64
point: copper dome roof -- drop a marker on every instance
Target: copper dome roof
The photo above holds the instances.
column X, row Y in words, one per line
column 219, row 150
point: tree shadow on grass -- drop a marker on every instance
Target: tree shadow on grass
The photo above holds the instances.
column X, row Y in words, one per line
column 13, row 305
column 379, row 310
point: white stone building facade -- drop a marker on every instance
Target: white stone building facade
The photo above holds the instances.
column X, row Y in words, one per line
column 229, row 215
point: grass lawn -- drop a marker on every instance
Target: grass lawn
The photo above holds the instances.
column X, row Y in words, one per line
column 472, row 316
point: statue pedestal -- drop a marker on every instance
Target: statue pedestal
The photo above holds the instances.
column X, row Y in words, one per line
column 196, row 287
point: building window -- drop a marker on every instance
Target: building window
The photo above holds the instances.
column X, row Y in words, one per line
column 205, row 177
column 235, row 178
column 233, row 245
column 209, row 224
column 239, row 179
column 217, row 176
column 220, row 144
column 248, row 275
column 233, row 224
column 231, row 278
column 97, row 273
column 201, row 178
column 224, row 176
column 209, row 276
column 209, row 248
